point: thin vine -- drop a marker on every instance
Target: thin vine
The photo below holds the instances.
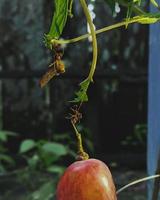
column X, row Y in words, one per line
column 70, row 9
column 94, row 39
column 138, row 19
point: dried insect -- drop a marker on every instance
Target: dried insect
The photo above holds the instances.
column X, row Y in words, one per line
column 58, row 64
column 75, row 116
column 56, row 68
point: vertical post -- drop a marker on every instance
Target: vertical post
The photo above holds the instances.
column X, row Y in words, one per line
column 153, row 102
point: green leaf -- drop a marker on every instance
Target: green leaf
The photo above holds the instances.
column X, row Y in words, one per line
column 146, row 19
column 59, row 18
column 7, row 159
column 45, row 192
column 137, row 2
column 56, row 169
column 81, row 95
column 4, row 135
column 48, row 159
column 27, row 145
column 33, row 161
column 55, row 148
column 10, row 133
column 154, row 3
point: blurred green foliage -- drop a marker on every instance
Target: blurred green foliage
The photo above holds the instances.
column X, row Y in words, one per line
column 138, row 137
column 6, row 161
column 43, row 154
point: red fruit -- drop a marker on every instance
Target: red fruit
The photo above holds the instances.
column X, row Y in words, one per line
column 86, row 180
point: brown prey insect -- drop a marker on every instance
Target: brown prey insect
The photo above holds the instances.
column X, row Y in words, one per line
column 75, row 116
column 56, row 68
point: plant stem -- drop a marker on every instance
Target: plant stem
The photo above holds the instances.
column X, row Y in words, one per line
column 70, row 9
column 94, row 39
column 82, row 155
column 138, row 181
column 155, row 4
column 105, row 29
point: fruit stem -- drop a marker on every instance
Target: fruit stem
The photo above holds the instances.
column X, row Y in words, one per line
column 82, row 155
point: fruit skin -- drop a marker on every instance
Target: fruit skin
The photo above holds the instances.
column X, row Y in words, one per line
column 86, row 180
